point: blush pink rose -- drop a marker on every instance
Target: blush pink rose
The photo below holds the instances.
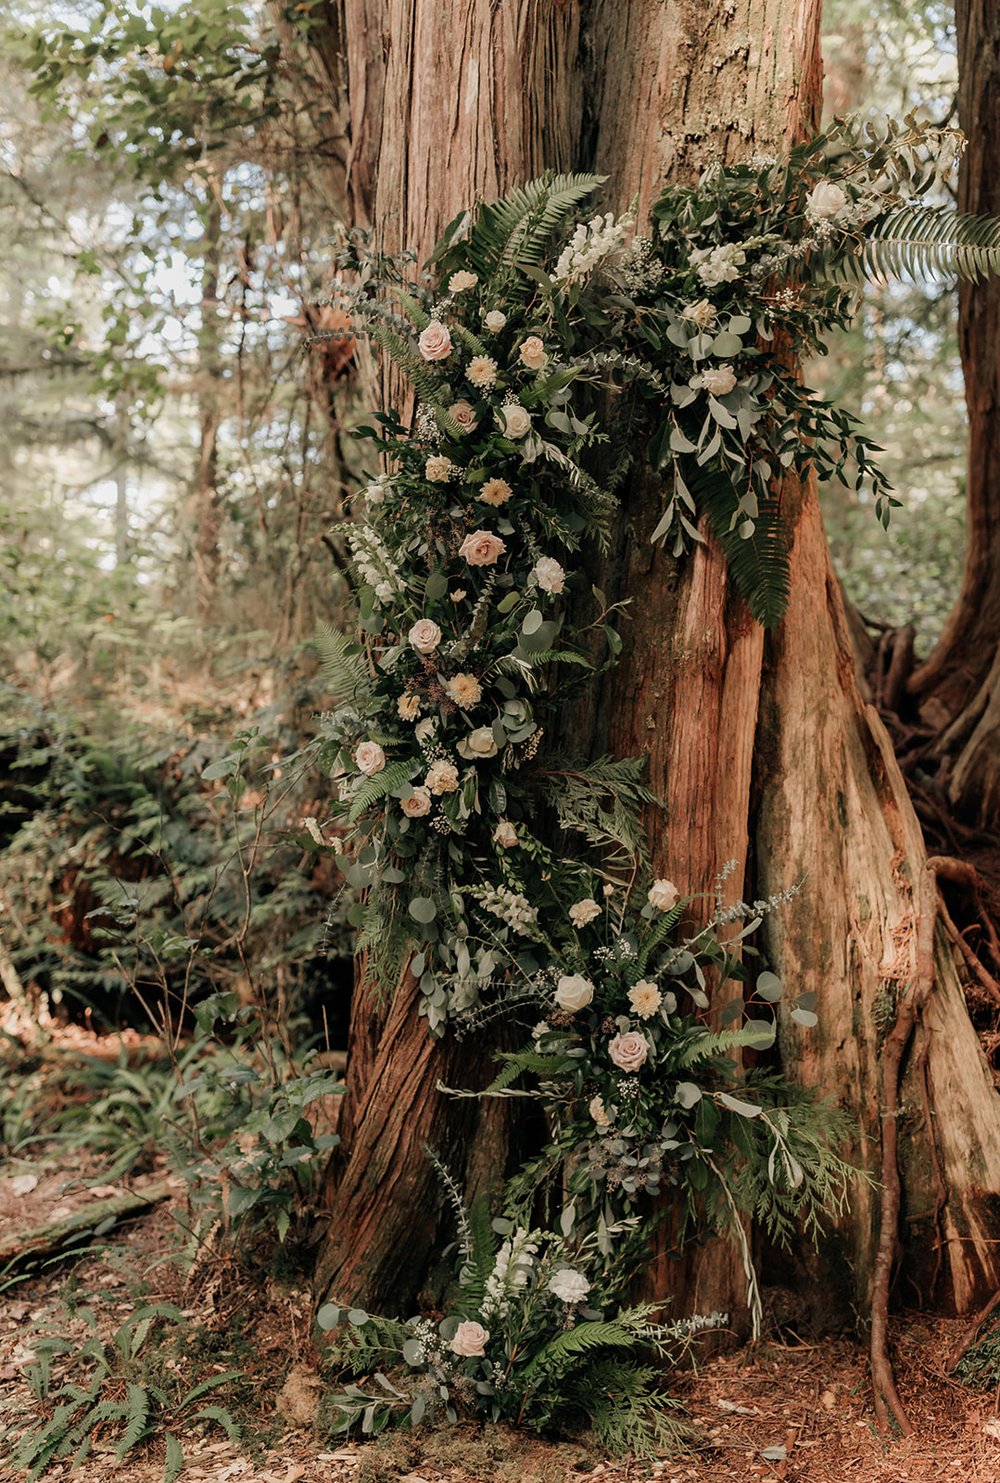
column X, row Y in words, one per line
column 370, row 758
column 482, row 548
column 629, row 1051
column 425, row 635
column 470, row 1340
column 435, row 341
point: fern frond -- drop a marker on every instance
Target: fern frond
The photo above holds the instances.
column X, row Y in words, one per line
column 393, row 776
column 423, row 380
column 514, row 232
column 174, row 1464
column 340, row 661
column 136, row 1420
column 628, row 1409
column 924, row 243
column 561, row 1353
column 758, row 563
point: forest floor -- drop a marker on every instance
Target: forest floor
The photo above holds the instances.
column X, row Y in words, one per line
column 810, row 1398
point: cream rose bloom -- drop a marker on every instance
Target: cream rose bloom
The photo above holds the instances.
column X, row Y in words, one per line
column 408, row 707
column 435, row 341
column 370, row 758
column 825, row 201
column 582, row 912
column 424, row 636
column 464, row 690
column 702, row 313
column 516, row 420
column 478, row 744
column 482, row 371
column 573, row 992
column 482, row 548
column 442, row 777
column 505, row 835
column 425, row 730
column 645, row 998
column 418, row 803
column 569, row 1286
column 629, row 1051
column 718, row 380
column 462, row 280
column 470, row 1340
column 549, row 575
column 533, row 353
column 464, row 415
column 663, row 895
column 495, row 492
column 495, row 321
column 438, row 469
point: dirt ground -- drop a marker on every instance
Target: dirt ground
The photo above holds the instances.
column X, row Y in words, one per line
column 811, row 1399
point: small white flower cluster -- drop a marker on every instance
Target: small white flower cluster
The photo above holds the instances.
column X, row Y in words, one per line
column 426, row 428
column 374, row 563
column 511, row 907
column 715, row 265
column 642, row 271
column 589, row 245
column 511, row 1271
column 683, row 1326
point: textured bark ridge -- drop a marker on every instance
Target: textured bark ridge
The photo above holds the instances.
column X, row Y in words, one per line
column 763, row 749
column 959, row 686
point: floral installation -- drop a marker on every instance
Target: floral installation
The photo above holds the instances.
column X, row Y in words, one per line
column 539, row 1333
column 498, row 873
column 478, row 625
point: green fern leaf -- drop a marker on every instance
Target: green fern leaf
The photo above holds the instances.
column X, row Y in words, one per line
column 393, row 776
column 341, row 665
column 560, row 1353
column 174, row 1460
column 758, row 563
column 136, row 1420
column 924, row 243
column 514, row 232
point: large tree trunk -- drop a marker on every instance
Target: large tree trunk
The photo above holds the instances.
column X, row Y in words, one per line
column 764, row 749
column 959, row 686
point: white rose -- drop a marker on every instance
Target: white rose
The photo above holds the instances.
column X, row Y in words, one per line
column 370, row 758
column 438, row 469
column 582, row 912
column 549, row 575
column 418, row 803
column 573, row 992
column 459, row 282
column 495, row 321
column 478, row 743
column 425, row 730
column 702, row 313
column 569, row 1286
column 505, row 834
column 516, row 420
column 425, row 635
column 663, row 895
column 470, row 1340
column 533, row 353
column 629, row 1051
column 718, row 380
column 825, row 201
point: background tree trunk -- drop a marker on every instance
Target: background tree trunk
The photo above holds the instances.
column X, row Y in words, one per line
column 763, row 747
column 959, row 686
